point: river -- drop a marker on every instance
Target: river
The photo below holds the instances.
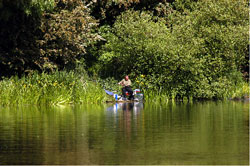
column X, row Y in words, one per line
column 133, row 133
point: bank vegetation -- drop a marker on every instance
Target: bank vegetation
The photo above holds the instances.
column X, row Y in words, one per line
column 195, row 49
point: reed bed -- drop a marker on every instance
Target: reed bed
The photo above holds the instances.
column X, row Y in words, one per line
column 63, row 87
column 54, row 89
column 241, row 91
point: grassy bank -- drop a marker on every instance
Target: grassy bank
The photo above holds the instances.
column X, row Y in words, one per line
column 69, row 87
column 56, row 88
column 151, row 93
column 240, row 91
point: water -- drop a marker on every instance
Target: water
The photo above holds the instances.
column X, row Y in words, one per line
column 172, row 133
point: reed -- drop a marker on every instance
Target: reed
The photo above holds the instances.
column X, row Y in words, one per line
column 240, row 91
column 55, row 88
column 237, row 92
column 61, row 87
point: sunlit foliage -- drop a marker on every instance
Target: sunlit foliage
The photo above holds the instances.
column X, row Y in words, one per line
column 199, row 54
column 53, row 89
column 183, row 48
column 66, row 34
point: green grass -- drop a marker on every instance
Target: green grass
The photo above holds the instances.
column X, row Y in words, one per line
column 69, row 87
column 55, row 88
column 240, row 91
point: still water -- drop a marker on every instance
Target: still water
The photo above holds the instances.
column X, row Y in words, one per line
column 139, row 133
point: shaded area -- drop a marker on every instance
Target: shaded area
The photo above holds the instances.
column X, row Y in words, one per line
column 18, row 32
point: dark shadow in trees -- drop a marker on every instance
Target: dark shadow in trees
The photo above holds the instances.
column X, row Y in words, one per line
column 19, row 32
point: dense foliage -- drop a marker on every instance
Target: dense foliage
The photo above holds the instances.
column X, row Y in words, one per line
column 19, row 32
column 45, row 40
column 200, row 55
column 107, row 10
column 176, row 48
column 67, row 33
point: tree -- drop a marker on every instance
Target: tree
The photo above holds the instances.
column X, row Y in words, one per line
column 200, row 55
column 215, row 34
column 19, row 30
column 107, row 10
column 43, row 34
column 67, row 33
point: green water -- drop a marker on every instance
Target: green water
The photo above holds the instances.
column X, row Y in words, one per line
column 171, row 133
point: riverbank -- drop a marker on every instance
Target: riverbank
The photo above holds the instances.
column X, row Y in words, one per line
column 238, row 92
column 53, row 89
column 63, row 87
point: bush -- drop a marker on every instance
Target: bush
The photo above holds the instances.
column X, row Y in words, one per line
column 200, row 55
column 43, row 35
column 67, row 33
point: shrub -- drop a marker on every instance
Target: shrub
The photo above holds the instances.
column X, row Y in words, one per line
column 199, row 54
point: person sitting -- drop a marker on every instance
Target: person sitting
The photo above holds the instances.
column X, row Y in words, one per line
column 126, row 83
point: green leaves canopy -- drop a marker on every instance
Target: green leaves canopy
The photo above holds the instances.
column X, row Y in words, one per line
column 196, row 56
column 43, row 34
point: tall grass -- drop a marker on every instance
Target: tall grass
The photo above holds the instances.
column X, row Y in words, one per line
column 240, row 91
column 163, row 97
column 63, row 87
column 55, row 88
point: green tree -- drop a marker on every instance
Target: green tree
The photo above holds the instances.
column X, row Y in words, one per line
column 107, row 10
column 200, row 55
column 135, row 43
column 67, row 33
column 43, row 34
column 19, row 30
column 215, row 35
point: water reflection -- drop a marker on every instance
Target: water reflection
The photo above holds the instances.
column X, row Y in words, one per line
column 126, row 133
column 127, row 118
column 133, row 106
